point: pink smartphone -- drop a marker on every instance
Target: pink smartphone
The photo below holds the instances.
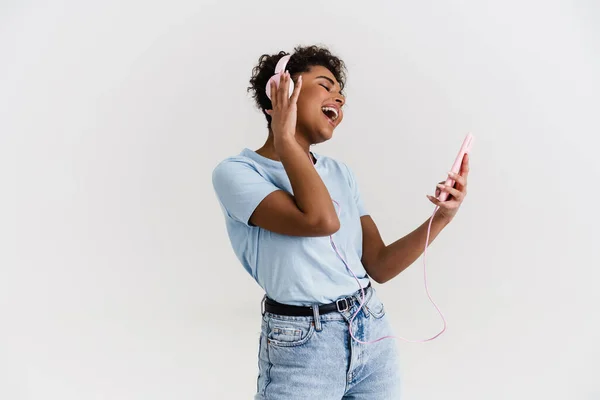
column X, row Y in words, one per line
column 465, row 148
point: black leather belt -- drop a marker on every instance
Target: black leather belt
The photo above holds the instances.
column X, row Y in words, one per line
column 274, row 307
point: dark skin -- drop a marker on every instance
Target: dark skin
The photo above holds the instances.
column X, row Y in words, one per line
column 298, row 122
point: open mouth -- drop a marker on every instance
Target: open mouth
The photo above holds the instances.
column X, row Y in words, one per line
column 331, row 114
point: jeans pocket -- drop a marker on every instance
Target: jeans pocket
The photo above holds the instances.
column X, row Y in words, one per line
column 376, row 308
column 289, row 333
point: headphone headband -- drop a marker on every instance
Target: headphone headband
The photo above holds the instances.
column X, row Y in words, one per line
column 279, row 69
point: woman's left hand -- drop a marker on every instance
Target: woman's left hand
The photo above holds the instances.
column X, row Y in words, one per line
column 456, row 194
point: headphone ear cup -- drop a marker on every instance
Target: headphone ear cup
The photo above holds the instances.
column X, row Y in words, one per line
column 268, row 87
column 276, row 78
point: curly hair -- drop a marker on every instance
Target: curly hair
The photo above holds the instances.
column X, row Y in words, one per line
column 303, row 58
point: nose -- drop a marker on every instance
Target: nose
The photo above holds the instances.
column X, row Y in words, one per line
column 339, row 99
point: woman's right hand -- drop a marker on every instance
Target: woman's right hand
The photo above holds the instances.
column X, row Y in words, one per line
column 284, row 112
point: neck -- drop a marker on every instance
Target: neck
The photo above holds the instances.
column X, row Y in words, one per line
column 268, row 149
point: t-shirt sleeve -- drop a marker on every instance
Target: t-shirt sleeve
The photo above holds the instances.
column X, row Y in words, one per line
column 240, row 188
column 362, row 210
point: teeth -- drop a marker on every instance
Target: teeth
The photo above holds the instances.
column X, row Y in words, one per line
column 333, row 110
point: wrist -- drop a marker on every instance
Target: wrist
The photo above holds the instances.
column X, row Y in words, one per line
column 442, row 219
column 281, row 143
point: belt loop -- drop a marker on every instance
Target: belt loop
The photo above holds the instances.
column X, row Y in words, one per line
column 262, row 305
column 358, row 297
column 315, row 308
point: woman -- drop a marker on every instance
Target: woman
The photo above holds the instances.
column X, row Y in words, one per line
column 309, row 253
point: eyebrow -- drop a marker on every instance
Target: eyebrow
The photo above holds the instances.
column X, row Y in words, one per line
column 324, row 77
column 331, row 81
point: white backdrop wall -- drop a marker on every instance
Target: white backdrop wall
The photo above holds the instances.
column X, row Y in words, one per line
column 117, row 279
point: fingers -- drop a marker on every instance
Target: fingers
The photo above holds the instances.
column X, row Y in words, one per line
column 296, row 93
column 284, row 89
column 457, row 194
column 434, row 200
column 279, row 93
column 438, row 191
column 464, row 166
column 273, row 94
column 443, row 204
column 460, row 180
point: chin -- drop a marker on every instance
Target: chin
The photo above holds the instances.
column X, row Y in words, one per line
column 318, row 133
column 323, row 136
column 324, row 133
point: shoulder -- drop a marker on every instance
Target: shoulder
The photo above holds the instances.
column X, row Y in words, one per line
column 232, row 167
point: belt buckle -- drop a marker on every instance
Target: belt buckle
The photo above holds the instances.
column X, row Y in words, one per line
column 337, row 304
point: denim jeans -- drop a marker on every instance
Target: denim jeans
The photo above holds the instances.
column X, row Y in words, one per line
column 312, row 358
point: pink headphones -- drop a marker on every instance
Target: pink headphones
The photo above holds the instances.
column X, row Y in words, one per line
column 279, row 69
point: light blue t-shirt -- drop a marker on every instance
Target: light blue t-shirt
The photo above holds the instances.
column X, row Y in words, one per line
column 291, row 269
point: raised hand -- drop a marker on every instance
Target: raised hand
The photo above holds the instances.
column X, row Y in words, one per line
column 284, row 112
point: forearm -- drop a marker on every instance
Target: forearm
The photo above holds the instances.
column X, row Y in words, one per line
column 399, row 255
column 310, row 193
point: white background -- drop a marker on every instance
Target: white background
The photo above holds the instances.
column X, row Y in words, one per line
column 117, row 279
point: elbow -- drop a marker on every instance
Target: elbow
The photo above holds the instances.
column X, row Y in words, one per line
column 377, row 278
column 333, row 225
column 327, row 226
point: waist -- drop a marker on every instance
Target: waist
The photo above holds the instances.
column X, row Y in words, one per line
column 340, row 305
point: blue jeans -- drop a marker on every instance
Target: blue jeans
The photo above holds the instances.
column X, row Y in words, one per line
column 316, row 358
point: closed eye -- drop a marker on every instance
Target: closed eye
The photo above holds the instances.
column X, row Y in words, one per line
column 324, row 87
